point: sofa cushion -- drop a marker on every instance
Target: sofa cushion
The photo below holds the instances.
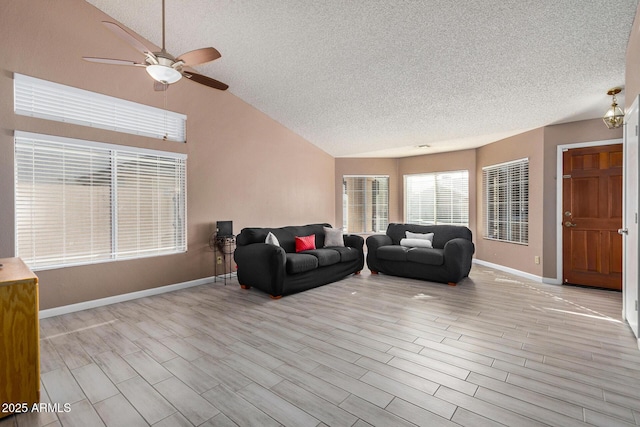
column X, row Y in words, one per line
column 393, row 253
column 427, row 256
column 346, row 253
column 325, row 256
column 299, row 263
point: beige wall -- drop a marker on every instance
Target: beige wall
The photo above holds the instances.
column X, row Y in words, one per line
column 539, row 146
column 242, row 165
column 397, row 168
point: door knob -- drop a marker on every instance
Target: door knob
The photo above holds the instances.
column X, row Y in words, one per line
column 569, row 224
column 623, row 231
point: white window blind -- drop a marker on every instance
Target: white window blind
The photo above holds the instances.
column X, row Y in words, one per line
column 365, row 204
column 437, row 198
column 80, row 202
column 54, row 101
column 506, row 201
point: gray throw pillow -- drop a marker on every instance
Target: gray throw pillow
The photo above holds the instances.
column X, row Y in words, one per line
column 272, row 239
column 333, row 237
column 424, row 236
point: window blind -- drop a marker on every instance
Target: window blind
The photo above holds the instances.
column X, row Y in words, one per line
column 506, row 201
column 437, row 198
column 79, row 202
column 365, row 204
column 54, row 101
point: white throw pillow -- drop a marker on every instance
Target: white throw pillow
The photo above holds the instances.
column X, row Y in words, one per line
column 333, row 237
column 427, row 236
column 416, row 243
column 272, row 239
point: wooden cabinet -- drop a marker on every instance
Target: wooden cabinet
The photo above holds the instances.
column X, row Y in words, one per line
column 19, row 335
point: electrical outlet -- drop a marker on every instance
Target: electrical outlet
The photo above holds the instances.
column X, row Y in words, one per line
column 219, row 260
column 536, row 259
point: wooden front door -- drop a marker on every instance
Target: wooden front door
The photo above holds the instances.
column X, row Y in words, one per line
column 591, row 216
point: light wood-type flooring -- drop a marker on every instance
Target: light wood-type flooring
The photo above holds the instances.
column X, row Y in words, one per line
column 368, row 350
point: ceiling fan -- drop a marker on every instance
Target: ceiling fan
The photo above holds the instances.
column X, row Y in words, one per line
column 164, row 68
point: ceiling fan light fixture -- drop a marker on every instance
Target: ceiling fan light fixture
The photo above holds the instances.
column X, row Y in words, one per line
column 164, row 74
column 614, row 117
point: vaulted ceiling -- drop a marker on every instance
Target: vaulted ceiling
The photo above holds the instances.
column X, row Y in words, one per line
column 380, row 78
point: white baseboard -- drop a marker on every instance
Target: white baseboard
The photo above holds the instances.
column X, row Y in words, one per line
column 57, row 311
column 513, row 271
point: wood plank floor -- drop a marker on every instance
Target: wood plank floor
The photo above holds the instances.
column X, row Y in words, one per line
column 368, row 350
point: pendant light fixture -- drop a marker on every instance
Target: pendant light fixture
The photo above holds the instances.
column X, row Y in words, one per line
column 614, row 117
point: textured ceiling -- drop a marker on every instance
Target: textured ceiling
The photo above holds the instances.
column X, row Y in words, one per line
column 379, row 78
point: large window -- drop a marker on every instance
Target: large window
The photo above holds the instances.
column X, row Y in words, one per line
column 79, row 202
column 437, row 198
column 506, row 201
column 365, row 206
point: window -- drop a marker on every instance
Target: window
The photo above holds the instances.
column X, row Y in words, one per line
column 79, row 202
column 506, row 201
column 365, row 206
column 437, row 198
column 53, row 101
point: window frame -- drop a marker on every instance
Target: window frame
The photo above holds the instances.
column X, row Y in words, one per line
column 512, row 207
column 48, row 100
column 382, row 207
column 116, row 176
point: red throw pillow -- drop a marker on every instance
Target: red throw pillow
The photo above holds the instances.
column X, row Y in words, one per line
column 305, row 243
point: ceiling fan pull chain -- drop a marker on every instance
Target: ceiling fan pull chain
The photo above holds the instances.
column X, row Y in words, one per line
column 166, row 132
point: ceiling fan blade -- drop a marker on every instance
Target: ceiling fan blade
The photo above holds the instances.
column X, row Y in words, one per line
column 199, row 56
column 113, row 61
column 126, row 36
column 207, row 81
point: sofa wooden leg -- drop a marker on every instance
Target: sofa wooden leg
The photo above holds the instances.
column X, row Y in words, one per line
column 245, row 286
column 451, row 284
column 275, row 297
column 374, row 272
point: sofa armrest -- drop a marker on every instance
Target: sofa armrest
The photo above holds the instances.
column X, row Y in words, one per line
column 261, row 265
column 458, row 255
column 459, row 248
column 376, row 240
column 354, row 241
column 373, row 243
